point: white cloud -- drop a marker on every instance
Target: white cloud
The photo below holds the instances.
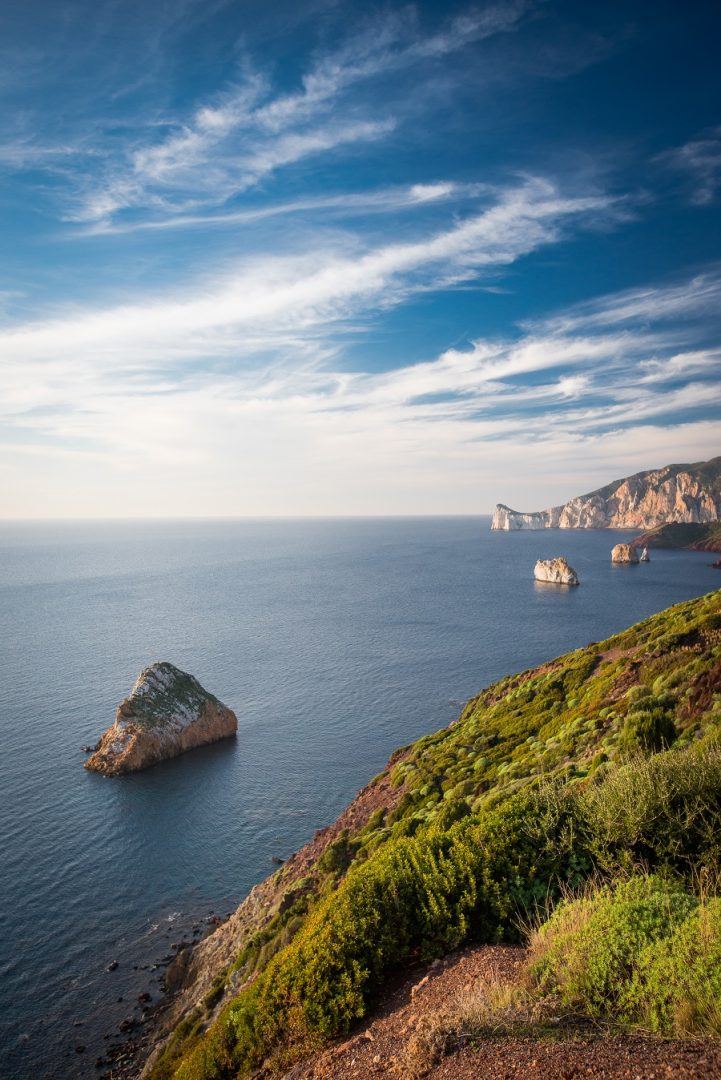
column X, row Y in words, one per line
column 242, row 389
column 248, row 132
column 696, row 296
column 275, row 297
column 700, row 161
column 366, row 202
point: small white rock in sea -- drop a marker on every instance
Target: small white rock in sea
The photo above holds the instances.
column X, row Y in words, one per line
column 557, row 571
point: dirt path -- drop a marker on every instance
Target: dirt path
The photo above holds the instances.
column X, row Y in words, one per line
column 377, row 1048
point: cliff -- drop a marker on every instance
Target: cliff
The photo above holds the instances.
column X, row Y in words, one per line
column 676, row 493
column 166, row 713
column 696, row 537
column 446, row 845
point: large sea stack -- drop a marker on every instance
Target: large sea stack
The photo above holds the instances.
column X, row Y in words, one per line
column 166, row 713
column 624, row 553
column 556, row 571
column 676, row 493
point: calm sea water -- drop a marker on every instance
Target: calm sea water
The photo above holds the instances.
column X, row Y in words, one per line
column 334, row 641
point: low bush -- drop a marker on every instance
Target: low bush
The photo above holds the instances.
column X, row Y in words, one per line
column 645, row 953
column 587, row 953
column 661, row 812
column 428, row 893
column 647, row 730
column 678, row 986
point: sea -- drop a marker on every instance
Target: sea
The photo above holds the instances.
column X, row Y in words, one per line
column 335, row 641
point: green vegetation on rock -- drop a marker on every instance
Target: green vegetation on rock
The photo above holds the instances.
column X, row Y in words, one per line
column 704, row 536
column 547, row 778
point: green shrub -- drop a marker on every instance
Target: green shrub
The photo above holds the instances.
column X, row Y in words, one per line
column 645, row 953
column 587, row 952
column 338, row 855
column 648, row 730
column 662, row 811
column 677, row 989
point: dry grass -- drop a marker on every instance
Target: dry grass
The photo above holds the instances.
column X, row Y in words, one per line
column 495, row 1006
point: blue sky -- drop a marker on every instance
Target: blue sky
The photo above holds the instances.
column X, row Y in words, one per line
column 333, row 258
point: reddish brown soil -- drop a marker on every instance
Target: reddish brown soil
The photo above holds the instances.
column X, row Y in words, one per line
column 378, row 1047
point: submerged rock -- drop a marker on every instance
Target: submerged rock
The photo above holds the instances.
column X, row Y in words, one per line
column 556, row 571
column 166, row 713
column 624, row 553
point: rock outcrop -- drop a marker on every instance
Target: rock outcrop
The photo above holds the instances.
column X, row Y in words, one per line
column 624, row 553
column 166, row 713
column 697, row 537
column 557, row 571
column 676, row 493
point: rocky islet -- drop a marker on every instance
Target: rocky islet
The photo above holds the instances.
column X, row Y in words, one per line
column 166, row 713
column 555, row 571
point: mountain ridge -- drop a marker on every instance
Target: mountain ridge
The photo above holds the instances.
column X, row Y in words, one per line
column 680, row 493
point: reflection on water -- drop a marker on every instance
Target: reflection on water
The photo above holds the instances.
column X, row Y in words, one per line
column 333, row 641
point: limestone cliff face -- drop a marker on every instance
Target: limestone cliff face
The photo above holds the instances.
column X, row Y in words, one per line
column 166, row 713
column 556, row 571
column 676, row 493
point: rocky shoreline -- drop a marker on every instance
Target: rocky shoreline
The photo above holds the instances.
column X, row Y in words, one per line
column 121, row 1052
column 692, row 537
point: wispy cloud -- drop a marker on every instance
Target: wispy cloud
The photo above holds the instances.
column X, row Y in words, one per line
column 699, row 160
column 273, row 412
column 249, row 130
column 365, row 202
column 273, row 297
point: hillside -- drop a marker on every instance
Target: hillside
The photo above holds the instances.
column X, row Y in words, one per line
column 675, row 493
column 464, row 830
column 698, row 537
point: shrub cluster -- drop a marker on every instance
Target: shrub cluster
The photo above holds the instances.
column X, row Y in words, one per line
column 426, row 894
column 644, row 952
column 522, row 796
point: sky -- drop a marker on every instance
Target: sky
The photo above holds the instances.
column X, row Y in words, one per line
column 332, row 258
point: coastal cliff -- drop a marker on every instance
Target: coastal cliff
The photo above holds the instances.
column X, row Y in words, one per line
column 695, row 537
column 675, row 493
column 166, row 713
column 447, row 845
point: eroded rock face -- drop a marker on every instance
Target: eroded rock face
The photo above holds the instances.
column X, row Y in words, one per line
column 557, row 571
column 676, row 493
column 166, row 713
column 624, row 553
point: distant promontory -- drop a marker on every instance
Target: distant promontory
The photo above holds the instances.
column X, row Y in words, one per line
column 166, row 713
column 676, row 493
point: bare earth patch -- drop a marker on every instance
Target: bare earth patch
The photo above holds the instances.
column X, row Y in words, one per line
column 379, row 1047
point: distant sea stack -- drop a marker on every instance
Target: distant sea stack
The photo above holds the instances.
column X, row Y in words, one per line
column 624, row 553
column 166, row 713
column 556, row 571
column 676, row 493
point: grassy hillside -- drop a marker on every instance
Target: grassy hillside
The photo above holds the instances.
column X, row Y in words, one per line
column 595, row 762
column 691, row 535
